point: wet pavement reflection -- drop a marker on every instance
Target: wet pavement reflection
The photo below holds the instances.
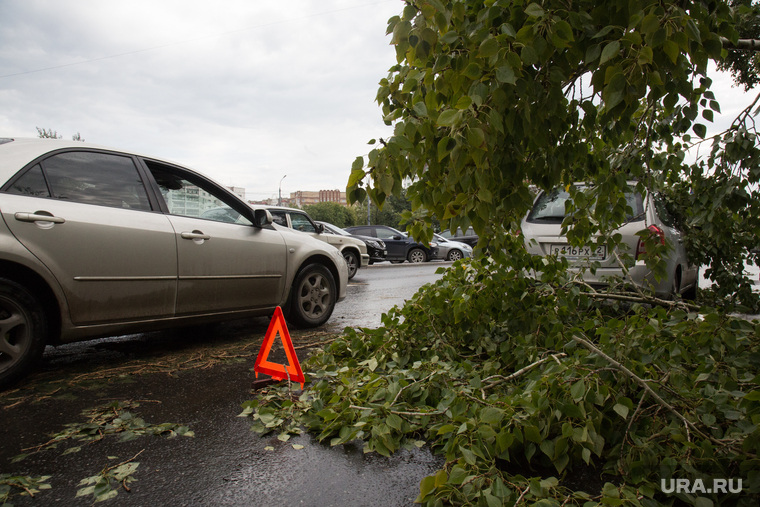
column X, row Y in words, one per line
column 200, row 377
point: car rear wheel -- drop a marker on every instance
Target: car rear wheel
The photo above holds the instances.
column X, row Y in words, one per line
column 454, row 255
column 417, row 255
column 352, row 261
column 23, row 329
column 313, row 296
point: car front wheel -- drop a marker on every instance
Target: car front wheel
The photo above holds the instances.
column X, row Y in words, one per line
column 352, row 261
column 454, row 255
column 417, row 255
column 313, row 296
column 23, row 329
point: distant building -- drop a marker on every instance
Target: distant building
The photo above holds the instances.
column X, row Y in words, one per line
column 303, row 197
column 238, row 191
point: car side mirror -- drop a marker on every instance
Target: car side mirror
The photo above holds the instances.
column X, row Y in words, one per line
column 397, row 237
column 262, row 218
column 320, row 228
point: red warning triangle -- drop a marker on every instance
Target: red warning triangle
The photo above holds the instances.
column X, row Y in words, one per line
column 279, row 371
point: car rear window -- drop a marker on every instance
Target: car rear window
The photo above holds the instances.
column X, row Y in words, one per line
column 550, row 207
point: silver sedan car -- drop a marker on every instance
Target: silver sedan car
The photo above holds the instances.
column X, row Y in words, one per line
column 542, row 230
column 97, row 241
column 452, row 250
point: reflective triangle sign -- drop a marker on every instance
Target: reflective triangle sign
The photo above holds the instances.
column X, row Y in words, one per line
column 292, row 371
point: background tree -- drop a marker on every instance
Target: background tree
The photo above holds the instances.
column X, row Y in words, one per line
column 52, row 134
column 332, row 212
column 392, row 212
column 47, row 133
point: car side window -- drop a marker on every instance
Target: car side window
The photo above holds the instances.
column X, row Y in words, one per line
column 31, row 183
column 279, row 218
column 302, row 223
column 195, row 199
column 102, row 179
column 386, row 234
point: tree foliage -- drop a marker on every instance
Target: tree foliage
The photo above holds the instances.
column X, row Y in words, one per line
column 489, row 98
column 744, row 63
column 53, row 134
column 332, row 212
column 497, row 372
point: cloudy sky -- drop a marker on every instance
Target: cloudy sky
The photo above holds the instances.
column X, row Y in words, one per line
column 245, row 91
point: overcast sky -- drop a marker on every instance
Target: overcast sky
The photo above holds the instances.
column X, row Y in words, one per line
column 245, row 91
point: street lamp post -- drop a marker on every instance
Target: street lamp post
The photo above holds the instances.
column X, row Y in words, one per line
column 279, row 198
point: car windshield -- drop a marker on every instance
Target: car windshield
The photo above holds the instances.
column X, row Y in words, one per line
column 334, row 229
column 550, row 206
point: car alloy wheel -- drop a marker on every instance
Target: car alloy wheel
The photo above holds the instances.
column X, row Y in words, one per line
column 313, row 297
column 454, row 255
column 352, row 262
column 417, row 255
column 23, row 330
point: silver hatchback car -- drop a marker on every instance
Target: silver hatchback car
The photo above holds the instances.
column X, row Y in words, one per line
column 97, row 241
column 542, row 228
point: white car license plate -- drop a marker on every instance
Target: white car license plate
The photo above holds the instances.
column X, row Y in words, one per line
column 591, row 252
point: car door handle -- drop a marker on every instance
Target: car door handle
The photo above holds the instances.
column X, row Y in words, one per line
column 38, row 216
column 195, row 235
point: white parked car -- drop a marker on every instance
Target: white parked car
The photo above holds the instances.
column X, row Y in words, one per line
column 354, row 250
column 542, row 227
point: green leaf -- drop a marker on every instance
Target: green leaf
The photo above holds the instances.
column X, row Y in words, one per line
column 488, row 47
column 700, row 130
column 621, row 410
column 505, row 74
column 534, row 10
column 610, row 51
column 578, row 390
column 473, row 71
column 463, row 103
column 448, row 118
column 468, row 455
column 672, row 50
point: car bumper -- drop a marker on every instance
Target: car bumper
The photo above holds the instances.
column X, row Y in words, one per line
column 638, row 274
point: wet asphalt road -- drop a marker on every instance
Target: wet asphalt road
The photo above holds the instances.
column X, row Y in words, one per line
column 199, row 378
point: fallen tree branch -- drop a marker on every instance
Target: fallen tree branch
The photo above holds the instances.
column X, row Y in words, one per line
column 519, row 372
column 644, row 385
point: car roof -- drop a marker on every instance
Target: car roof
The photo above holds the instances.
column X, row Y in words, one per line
column 21, row 150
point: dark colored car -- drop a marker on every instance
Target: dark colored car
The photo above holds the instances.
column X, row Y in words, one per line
column 375, row 247
column 467, row 236
column 400, row 247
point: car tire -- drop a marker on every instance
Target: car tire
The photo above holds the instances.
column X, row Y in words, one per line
column 352, row 261
column 690, row 294
column 417, row 255
column 454, row 255
column 313, row 296
column 23, row 331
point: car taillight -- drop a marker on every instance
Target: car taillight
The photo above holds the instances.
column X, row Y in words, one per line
column 654, row 231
